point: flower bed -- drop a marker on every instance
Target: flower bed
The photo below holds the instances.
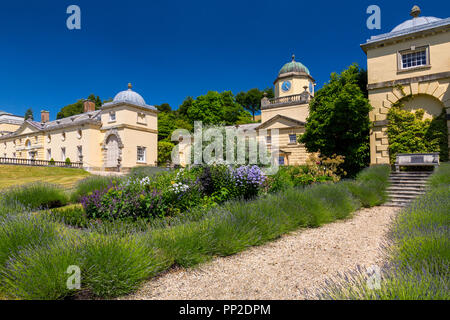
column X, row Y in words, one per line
column 172, row 193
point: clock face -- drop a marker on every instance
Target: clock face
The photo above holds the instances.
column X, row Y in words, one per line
column 286, row 86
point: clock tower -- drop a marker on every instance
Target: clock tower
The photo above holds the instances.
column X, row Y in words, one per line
column 294, row 87
column 292, row 79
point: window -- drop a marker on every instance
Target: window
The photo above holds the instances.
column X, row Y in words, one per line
column 63, row 136
column 49, row 154
column 140, row 154
column 414, row 58
column 14, row 155
column 293, row 138
column 269, row 139
column 281, row 160
column 28, row 144
column 80, row 151
column 49, row 138
column 112, row 116
column 63, row 154
column 79, row 133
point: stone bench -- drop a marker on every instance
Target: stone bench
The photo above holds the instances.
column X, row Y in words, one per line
column 416, row 159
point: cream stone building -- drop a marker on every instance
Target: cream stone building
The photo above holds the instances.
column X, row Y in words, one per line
column 120, row 135
column 412, row 62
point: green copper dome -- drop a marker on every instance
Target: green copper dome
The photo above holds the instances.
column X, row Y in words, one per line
column 293, row 66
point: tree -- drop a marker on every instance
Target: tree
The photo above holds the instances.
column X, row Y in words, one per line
column 338, row 121
column 168, row 122
column 78, row 107
column 251, row 100
column 29, row 114
column 216, row 108
column 165, row 107
column 164, row 152
column 187, row 103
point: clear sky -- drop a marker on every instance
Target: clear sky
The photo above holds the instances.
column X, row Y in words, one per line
column 173, row 49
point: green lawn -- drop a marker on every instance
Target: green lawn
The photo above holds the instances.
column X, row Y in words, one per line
column 15, row 175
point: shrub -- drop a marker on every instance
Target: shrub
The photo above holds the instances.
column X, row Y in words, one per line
column 186, row 244
column 408, row 132
column 217, row 181
column 90, row 184
column 164, row 152
column 370, row 185
column 73, row 215
column 21, row 231
column 441, row 177
column 68, row 162
column 35, row 195
column 146, row 171
column 115, row 266
column 122, row 202
column 52, row 162
column 41, row 272
column 248, row 180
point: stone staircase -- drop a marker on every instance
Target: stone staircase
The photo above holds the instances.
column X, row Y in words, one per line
column 406, row 186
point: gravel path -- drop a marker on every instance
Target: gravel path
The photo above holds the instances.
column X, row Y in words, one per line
column 283, row 268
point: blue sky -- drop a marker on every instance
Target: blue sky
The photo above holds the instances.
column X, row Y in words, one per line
column 172, row 49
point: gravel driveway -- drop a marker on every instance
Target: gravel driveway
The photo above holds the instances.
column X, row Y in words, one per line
column 283, row 268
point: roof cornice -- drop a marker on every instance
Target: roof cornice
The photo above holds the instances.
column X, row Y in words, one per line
column 411, row 33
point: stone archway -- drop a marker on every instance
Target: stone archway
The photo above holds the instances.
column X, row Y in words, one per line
column 417, row 91
column 112, row 149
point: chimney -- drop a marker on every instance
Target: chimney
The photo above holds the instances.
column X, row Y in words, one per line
column 89, row 106
column 45, row 116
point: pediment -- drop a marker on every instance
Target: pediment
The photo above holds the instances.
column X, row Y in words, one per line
column 280, row 122
column 26, row 128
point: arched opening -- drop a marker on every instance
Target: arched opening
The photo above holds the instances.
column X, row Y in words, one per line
column 112, row 151
column 417, row 124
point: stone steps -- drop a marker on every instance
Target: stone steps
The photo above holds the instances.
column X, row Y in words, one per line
column 405, row 187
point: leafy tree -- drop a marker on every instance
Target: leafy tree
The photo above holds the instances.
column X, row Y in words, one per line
column 78, row 107
column 338, row 121
column 29, row 114
column 168, row 122
column 269, row 92
column 216, row 108
column 187, row 103
column 164, row 152
column 251, row 100
column 165, row 107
